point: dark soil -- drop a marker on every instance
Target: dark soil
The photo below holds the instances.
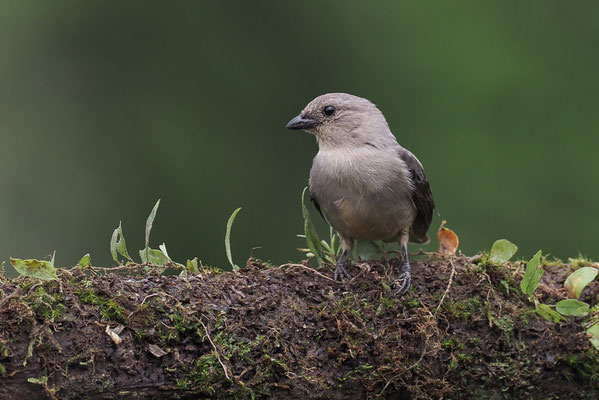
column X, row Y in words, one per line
column 291, row 332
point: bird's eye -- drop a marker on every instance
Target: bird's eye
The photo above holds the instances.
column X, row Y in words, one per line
column 328, row 111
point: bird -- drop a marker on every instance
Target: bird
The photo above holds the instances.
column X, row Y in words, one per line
column 363, row 182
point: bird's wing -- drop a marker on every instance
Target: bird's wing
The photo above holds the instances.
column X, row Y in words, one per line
column 317, row 206
column 422, row 197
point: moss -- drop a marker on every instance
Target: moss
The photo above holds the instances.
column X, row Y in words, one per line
column 203, row 375
column 580, row 261
column 410, row 302
column 206, row 374
column 88, row 297
column 508, row 286
column 356, row 372
column 457, row 352
column 46, row 306
column 553, row 262
column 586, row 365
column 3, row 349
column 110, row 309
column 506, row 324
column 168, row 335
column 387, row 303
column 526, row 314
column 463, row 309
column 2, row 371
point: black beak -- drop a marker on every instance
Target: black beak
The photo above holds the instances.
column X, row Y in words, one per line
column 300, row 122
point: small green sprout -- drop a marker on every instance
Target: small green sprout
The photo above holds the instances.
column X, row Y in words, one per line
column 502, row 251
column 320, row 250
column 228, row 240
column 118, row 245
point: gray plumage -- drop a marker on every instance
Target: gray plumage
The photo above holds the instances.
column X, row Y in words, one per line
column 364, row 183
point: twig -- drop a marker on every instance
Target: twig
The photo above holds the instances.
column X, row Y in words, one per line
column 148, row 296
column 216, row 351
column 448, row 285
column 310, row 269
column 6, row 299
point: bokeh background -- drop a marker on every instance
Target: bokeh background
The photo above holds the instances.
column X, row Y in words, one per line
column 106, row 106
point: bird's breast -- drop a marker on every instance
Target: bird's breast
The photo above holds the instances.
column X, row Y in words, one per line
column 364, row 195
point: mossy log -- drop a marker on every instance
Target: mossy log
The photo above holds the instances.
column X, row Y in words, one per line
column 464, row 330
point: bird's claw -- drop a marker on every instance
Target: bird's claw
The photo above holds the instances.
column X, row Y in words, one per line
column 341, row 273
column 402, row 283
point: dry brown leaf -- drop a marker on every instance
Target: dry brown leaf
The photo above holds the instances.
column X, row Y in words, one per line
column 448, row 240
column 156, row 350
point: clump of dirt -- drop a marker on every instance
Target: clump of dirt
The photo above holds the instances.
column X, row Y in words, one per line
column 463, row 330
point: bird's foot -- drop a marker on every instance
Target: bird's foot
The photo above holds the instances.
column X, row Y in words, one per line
column 341, row 273
column 402, row 283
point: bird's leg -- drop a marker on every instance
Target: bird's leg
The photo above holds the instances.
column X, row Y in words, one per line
column 340, row 272
column 402, row 283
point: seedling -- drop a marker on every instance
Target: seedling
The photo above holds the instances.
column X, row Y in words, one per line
column 149, row 223
column 118, row 245
column 502, row 251
column 84, row 262
column 228, row 240
column 574, row 285
column 147, row 254
column 320, row 250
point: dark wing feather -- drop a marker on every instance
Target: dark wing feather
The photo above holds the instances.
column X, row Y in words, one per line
column 317, row 206
column 422, row 197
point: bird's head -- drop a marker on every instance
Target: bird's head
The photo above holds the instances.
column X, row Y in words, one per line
column 340, row 119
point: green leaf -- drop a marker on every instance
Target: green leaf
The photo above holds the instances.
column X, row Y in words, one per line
column 228, row 240
column 162, row 248
column 532, row 276
column 149, row 223
column 502, row 251
column 334, row 239
column 593, row 334
column 572, row 307
column 118, row 245
column 546, row 312
column 113, row 241
column 40, row 269
column 38, row 381
column 192, row 266
column 312, row 240
column 84, row 262
column 578, row 279
column 153, row 256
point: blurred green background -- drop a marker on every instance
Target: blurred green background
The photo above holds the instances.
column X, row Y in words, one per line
column 106, row 106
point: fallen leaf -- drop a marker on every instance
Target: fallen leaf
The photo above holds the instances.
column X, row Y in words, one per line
column 448, row 240
column 156, row 351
